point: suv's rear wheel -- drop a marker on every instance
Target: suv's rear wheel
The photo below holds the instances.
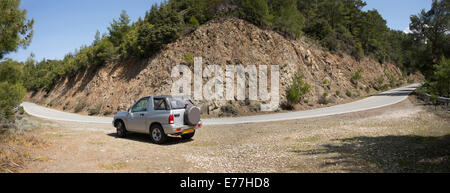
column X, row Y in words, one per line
column 188, row 136
column 121, row 130
column 157, row 134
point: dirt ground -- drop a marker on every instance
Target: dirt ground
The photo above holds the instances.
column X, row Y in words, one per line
column 405, row 137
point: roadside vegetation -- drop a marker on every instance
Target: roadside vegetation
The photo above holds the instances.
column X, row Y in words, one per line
column 296, row 92
column 355, row 77
column 439, row 83
column 16, row 142
column 11, row 89
column 15, row 150
column 16, row 32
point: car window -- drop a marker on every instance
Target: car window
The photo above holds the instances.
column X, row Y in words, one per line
column 177, row 104
column 140, row 106
column 180, row 103
column 160, row 104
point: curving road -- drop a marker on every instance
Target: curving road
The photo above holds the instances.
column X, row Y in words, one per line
column 376, row 101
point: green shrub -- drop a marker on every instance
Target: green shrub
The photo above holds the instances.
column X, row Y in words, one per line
column 21, row 110
column 66, row 105
column 392, row 80
column 286, row 106
column 189, row 59
column 440, row 82
column 11, row 95
column 324, row 99
column 11, row 72
column 325, row 82
column 338, row 93
column 101, row 53
column 79, row 107
column 410, row 80
column 355, row 77
column 379, row 84
column 421, row 90
column 254, row 107
column 229, row 109
column 358, row 52
column 11, row 89
column 352, row 94
column 129, row 47
column 94, row 110
column 331, row 42
column 297, row 90
column 193, row 22
column 348, row 93
column 356, row 94
column 380, row 80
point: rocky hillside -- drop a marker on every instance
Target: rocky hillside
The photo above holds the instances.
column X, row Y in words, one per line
column 115, row 87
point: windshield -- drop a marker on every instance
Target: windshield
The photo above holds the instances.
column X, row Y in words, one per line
column 180, row 102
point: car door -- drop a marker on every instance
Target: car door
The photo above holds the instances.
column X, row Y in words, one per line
column 138, row 114
column 160, row 111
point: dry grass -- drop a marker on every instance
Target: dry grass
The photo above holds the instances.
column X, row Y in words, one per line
column 14, row 150
column 17, row 142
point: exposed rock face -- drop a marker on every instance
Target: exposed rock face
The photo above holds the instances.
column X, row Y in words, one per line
column 223, row 42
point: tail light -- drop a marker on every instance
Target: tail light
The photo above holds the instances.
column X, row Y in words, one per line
column 199, row 125
column 171, row 119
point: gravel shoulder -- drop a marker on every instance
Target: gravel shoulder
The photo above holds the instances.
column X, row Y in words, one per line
column 404, row 137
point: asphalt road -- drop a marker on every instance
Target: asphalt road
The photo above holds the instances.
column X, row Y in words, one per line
column 376, row 101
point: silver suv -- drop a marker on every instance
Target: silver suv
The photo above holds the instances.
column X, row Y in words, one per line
column 160, row 116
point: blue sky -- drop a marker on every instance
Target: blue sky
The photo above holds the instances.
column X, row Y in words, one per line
column 61, row 26
column 397, row 12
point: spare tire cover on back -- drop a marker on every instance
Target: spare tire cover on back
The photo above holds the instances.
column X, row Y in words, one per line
column 192, row 115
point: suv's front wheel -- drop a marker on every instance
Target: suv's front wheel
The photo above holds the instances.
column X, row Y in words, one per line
column 157, row 134
column 121, row 130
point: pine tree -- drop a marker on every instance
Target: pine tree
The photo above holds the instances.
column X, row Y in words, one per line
column 287, row 19
column 119, row 28
column 97, row 38
column 257, row 11
column 15, row 29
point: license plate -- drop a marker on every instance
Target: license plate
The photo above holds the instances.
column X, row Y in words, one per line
column 188, row 131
